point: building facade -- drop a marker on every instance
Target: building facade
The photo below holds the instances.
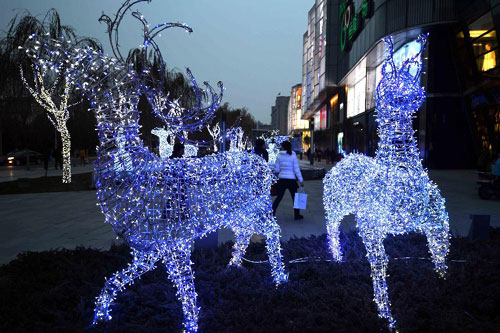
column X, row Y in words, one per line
column 298, row 128
column 279, row 114
column 459, row 124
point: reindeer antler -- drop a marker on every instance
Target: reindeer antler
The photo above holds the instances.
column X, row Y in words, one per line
column 149, row 40
column 170, row 111
column 114, row 24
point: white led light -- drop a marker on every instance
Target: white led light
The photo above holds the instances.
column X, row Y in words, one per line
column 390, row 194
column 57, row 114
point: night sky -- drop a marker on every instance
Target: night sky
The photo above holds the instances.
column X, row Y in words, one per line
column 254, row 47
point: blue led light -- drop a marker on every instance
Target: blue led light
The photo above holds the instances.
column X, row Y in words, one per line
column 390, row 194
column 159, row 206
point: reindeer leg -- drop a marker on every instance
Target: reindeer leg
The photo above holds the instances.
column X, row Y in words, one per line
column 437, row 233
column 378, row 261
column 333, row 220
column 178, row 264
column 242, row 239
column 272, row 233
column 141, row 264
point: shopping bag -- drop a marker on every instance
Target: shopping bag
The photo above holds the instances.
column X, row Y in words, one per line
column 300, row 201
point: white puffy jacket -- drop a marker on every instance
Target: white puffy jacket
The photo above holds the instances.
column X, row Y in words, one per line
column 287, row 166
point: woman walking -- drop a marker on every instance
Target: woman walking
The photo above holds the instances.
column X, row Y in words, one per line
column 287, row 167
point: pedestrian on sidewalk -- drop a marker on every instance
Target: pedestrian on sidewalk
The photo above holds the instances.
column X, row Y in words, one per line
column 46, row 158
column 318, row 153
column 288, row 170
column 327, row 155
column 260, row 149
column 82, row 156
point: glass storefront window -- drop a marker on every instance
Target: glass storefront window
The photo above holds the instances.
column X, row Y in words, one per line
column 356, row 98
column 323, row 118
column 317, row 121
column 360, row 96
column 485, row 43
column 378, row 74
column 350, row 102
column 487, row 61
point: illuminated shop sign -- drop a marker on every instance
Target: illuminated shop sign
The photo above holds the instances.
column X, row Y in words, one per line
column 323, row 118
column 351, row 22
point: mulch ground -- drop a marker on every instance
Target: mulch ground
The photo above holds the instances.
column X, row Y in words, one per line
column 55, row 290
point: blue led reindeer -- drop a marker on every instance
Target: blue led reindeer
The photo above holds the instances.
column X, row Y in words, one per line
column 160, row 206
column 390, row 194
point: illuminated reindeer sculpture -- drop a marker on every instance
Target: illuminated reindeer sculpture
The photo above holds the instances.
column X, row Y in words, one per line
column 160, row 206
column 390, row 194
column 166, row 143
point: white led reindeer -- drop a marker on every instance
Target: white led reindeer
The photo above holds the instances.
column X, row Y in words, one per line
column 160, row 206
column 390, row 194
column 216, row 135
column 235, row 136
column 166, row 141
column 273, row 144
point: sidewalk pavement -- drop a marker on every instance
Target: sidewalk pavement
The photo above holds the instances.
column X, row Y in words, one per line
column 11, row 173
column 43, row 221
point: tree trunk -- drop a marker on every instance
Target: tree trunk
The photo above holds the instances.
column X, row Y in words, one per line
column 66, row 154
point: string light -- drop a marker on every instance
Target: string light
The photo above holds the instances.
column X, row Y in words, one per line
column 58, row 115
column 390, row 194
column 237, row 139
column 166, row 141
column 157, row 205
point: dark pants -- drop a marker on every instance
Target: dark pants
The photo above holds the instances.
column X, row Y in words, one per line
column 282, row 185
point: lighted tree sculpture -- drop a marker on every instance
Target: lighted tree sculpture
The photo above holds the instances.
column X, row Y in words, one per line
column 52, row 90
column 390, row 194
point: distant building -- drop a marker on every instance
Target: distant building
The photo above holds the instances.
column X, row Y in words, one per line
column 318, row 72
column 279, row 114
column 297, row 127
column 262, row 126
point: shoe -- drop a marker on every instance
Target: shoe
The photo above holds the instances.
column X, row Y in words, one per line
column 299, row 217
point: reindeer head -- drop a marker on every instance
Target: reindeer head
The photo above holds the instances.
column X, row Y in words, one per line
column 399, row 90
column 151, row 75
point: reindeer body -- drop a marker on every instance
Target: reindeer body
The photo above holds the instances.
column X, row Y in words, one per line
column 160, row 206
column 390, row 194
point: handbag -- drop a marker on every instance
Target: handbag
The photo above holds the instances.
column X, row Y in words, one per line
column 300, row 201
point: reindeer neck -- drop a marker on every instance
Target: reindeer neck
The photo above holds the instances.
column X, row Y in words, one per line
column 397, row 145
column 118, row 124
